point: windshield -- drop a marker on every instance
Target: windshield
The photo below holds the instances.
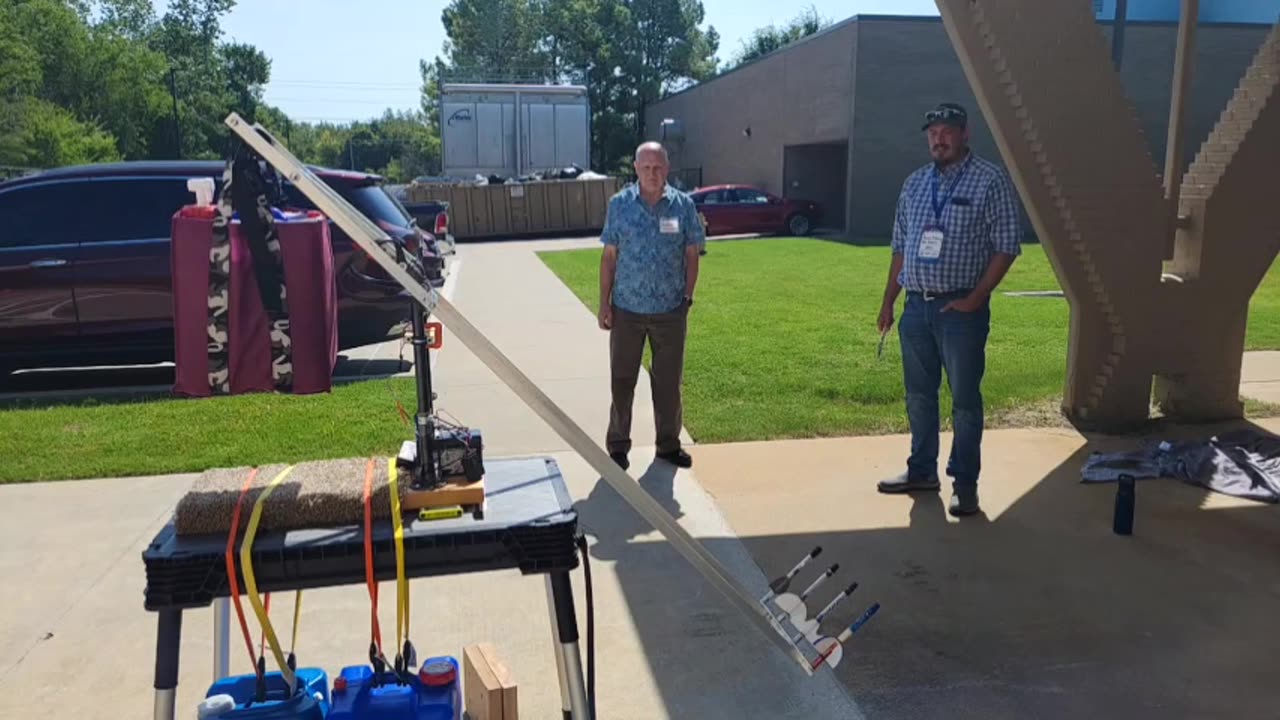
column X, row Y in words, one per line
column 372, row 200
column 376, row 203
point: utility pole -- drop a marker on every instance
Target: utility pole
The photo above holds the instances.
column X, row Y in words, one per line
column 351, row 152
column 177, row 124
column 1117, row 32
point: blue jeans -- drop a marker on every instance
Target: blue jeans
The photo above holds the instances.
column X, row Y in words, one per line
column 931, row 342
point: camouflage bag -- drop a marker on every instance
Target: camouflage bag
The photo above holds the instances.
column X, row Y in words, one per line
column 245, row 188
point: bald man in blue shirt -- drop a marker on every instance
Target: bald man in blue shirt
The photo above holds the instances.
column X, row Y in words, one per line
column 648, row 271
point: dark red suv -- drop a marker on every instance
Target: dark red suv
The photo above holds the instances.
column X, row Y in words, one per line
column 84, row 262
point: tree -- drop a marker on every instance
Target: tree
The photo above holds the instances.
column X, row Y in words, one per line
column 110, row 64
column 51, row 137
column 133, row 19
column 771, row 37
column 665, row 50
column 627, row 52
column 496, row 40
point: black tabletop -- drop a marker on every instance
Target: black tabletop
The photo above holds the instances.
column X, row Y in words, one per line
column 528, row 524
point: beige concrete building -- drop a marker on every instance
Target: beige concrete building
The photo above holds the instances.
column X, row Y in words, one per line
column 835, row 118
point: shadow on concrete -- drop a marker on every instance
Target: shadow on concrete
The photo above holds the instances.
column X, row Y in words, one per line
column 615, row 523
column 141, row 383
column 1040, row 611
column 356, row 369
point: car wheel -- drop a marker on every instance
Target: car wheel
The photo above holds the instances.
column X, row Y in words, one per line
column 799, row 224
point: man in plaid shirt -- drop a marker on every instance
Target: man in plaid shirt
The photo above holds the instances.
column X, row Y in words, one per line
column 956, row 233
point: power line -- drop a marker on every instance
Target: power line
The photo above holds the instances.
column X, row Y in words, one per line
column 323, row 99
column 350, row 85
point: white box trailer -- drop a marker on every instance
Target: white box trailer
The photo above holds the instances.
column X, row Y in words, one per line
column 511, row 130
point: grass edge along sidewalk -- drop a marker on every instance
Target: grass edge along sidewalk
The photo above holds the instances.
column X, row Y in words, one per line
column 782, row 341
column 130, row 438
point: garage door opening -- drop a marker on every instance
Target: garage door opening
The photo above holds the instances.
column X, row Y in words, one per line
column 819, row 172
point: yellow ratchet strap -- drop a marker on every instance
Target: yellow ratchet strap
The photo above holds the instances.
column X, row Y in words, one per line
column 297, row 613
column 402, row 586
column 251, row 584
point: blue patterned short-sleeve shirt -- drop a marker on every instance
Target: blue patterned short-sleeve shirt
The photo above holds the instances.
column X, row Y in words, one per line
column 978, row 216
column 651, row 242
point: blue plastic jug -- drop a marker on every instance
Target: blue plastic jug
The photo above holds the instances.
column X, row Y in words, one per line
column 432, row 694
column 310, row 700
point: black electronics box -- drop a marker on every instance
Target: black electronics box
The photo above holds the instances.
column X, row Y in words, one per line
column 461, row 452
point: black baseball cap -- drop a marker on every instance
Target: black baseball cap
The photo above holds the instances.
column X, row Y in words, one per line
column 948, row 114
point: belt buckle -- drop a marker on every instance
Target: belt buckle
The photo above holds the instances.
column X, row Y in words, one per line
column 928, row 295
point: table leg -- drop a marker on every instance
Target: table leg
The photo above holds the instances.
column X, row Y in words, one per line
column 555, row 640
column 566, row 622
column 221, row 638
column 168, row 644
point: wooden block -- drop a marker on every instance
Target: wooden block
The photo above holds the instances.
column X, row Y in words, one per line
column 488, row 690
column 454, row 492
column 510, row 703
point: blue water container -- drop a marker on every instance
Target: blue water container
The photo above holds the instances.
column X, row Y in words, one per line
column 310, row 700
column 433, row 694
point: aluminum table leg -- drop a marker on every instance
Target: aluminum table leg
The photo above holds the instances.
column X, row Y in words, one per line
column 168, row 645
column 221, row 638
column 573, row 689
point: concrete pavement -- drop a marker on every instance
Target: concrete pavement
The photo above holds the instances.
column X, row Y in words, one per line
column 1260, row 376
column 668, row 645
column 1034, row 608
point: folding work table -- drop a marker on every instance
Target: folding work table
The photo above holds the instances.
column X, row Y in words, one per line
column 528, row 524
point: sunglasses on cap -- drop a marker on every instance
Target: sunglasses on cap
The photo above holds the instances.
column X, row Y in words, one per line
column 948, row 115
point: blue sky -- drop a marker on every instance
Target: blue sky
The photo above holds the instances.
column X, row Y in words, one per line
column 339, row 63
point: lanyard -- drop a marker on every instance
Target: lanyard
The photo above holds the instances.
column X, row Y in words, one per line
column 938, row 207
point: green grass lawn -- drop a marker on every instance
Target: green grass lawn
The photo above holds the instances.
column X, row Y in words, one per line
column 166, row 436
column 782, row 344
column 782, row 341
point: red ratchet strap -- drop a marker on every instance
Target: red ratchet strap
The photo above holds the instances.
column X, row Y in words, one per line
column 375, row 631
column 231, row 567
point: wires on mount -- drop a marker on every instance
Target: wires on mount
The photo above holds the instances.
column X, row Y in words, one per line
column 454, row 429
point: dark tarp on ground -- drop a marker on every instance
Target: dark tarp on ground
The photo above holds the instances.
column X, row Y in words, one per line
column 1244, row 463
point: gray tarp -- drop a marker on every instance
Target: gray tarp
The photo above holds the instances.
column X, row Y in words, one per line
column 1244, row 463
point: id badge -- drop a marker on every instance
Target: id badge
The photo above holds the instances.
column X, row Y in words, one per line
column 669, row 225
column 931, row 243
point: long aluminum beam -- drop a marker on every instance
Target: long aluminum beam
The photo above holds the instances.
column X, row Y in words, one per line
column 368, row 235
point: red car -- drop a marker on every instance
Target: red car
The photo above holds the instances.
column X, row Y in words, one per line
column 742, row 209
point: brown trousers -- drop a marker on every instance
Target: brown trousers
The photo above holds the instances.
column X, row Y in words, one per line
column 666, row 335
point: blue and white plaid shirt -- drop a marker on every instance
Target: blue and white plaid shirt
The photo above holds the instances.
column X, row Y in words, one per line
column 651, row 241
column 979, row 217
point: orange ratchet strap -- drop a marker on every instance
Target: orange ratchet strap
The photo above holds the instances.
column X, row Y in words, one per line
column 231, row 567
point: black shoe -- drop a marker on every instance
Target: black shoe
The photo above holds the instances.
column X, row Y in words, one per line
column 964, row 501
column 905, row 483
column 621, row 459
column 679, row 458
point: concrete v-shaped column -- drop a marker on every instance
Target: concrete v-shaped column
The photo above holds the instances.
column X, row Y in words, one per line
column 1229, row 237
column 1074, row 148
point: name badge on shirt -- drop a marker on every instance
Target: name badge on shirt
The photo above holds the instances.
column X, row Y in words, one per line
column 931, row 243
column 669, row 225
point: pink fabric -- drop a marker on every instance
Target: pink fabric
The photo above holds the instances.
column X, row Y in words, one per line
column 313, row 307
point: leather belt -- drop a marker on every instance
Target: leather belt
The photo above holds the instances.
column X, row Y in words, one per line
column 930, row 295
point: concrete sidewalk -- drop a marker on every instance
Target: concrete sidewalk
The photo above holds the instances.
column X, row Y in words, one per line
column 76, row 638
column 1033, row 609
column 522, row 307
column 1260, row 376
